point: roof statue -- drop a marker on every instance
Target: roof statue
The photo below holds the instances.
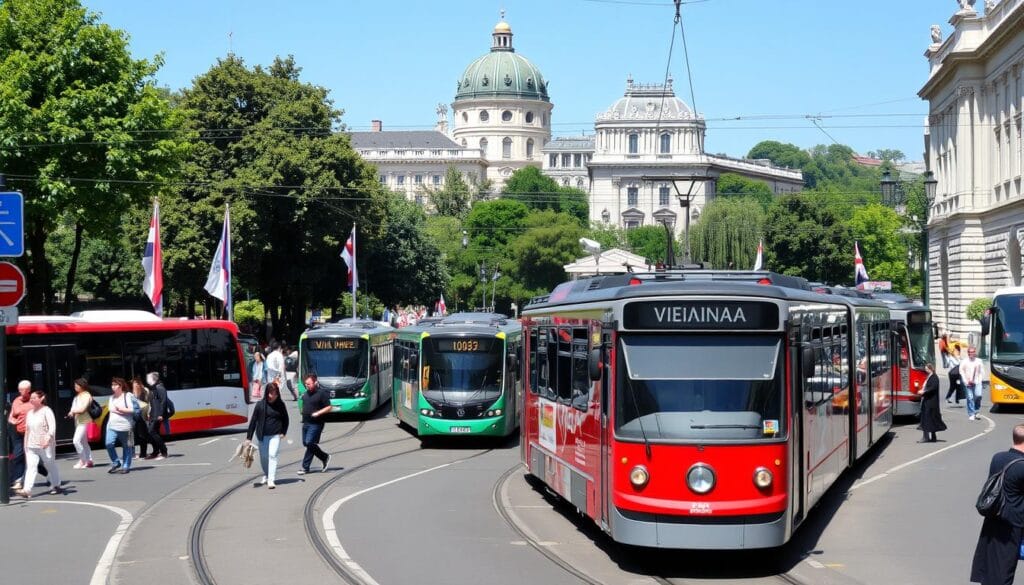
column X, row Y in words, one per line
column 936, row 34
column 966, row 5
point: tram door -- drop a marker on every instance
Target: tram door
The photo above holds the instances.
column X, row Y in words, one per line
column 605, row 385
column 50, row 368
column 797, row 457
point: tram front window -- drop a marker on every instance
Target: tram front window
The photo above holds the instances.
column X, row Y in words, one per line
column 922, row 339
column 336, row 358
column 1008, row 329
column 459, row 370
column 699, row 387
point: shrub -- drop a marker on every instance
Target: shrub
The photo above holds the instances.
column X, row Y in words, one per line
column 976, row 310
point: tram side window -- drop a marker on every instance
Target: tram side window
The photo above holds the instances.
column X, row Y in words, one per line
column 533, row 361
column 580, row 374
column 844, row 364
column 563, row 381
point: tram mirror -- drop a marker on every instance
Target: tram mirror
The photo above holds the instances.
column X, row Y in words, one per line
column 807, row 362
column 594, row 364
column 986, row 320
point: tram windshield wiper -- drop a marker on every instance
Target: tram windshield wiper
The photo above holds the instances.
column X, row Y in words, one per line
column 639, row 417
column 735, row 426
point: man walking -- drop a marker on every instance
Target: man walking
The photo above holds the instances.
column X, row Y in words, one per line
column 315, row 406
column 998, row 548
column 157, row 408
column 970, row 373
column 275, row 366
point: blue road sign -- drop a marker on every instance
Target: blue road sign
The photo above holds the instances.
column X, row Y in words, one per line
column 12, row 224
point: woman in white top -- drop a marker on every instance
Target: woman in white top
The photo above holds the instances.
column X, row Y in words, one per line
column 80, row 412
column 40, row 444
column 119, row 426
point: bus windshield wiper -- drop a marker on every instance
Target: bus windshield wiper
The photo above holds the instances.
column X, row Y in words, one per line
column 440, row 386
column 736, row 426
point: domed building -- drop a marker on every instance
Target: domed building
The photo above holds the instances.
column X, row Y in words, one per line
column 502, row 108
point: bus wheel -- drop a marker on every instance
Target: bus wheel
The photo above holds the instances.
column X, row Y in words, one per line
column 995, row 408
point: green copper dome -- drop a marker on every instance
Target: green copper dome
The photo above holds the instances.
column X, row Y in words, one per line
column 502, row 73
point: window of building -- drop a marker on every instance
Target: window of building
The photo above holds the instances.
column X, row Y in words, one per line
column 553, row 161
column 464, row 143
column 419, row 199
column 506, row 116
column 565, row 181
column 577, row 160
column 506, row 148
column 579, row 183
column 383, row 180
column 529, row 117
column 484, row 116
column 529, row 148
column 663, row 195
column 544, row 120
column 465, row 117
column 566, row 160
column 632, row 195
column 630, row 222
column 483, row 146
column 418, row 179
column 634, row 144
column 437, row 179
column 666, row 144
column 400, row 179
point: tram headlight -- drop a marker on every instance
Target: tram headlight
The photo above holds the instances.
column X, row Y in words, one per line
column 639, row 477
column 700, row 478
column 763, row 478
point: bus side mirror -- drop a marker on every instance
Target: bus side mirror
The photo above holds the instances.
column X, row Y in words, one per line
column 807, row 362
column 594, row 364
column 986, row 321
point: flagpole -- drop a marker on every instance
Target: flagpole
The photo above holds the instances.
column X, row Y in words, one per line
column 354, row 264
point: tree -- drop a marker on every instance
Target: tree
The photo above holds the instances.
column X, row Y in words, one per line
column 453, row 198
column 72, row 104
column 876, row 229
column 538, row 256
column 649, row 241
column 805, row 235
column 733, row 185
column 727, row 233
column 538, row 191
column 834, row 166
column 887, row 154
column 608, row 235
column 780, row 154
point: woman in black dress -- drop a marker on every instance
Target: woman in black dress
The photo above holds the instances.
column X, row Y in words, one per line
column 931, row 418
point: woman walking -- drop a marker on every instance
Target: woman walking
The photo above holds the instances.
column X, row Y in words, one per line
column 140, row 423
column 40, row 444
column 931, row 418
column 80, row 412
column 259, row 376
column 269, row 423
column 119, row 426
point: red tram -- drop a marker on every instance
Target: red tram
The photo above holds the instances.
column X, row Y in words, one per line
column 914, row 346
column 701, row 409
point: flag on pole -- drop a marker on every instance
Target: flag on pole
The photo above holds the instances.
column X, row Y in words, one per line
column 153, row 264
column 860, row 274
column 218, row 283
column 758, row 262
column 441, row 308
column 348, row 254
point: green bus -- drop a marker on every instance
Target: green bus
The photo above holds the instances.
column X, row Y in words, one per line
column 352, row 361
column 459, row 376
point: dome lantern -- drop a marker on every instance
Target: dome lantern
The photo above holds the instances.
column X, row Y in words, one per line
column 502, row 36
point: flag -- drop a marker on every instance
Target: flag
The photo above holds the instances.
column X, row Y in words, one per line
column 760, row 255
column 153, row 264
column 218, row 283
column 441, row 308
column 348, row 254
column 860, row 274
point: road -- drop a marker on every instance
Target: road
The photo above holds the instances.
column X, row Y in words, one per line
column 392, row 512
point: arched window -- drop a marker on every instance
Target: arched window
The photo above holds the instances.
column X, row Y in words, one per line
column 464, row 143
column 506, row 148
column 529, row 148
column 465, row 117
column 666, row 144
column 529, row 117
column 506, row 116
column 484, row 116
column 634, row 142
column 483, row 146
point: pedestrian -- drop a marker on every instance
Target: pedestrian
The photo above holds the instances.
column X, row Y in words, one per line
column 140, row 421
column 119, row 426
column 80, row 412
column 157, row 412
column 275, row 365
column 931, row 418
column 315, row 406
column 163, row 416
column 259, row 376
column 944, row 349
column 291, row 370
column 998, row 548
column 269, row 423
column 956, row 384
column 40, row 444
column 20, row 406
column 970, row 371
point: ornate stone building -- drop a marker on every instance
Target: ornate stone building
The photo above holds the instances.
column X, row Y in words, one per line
column 975, row 94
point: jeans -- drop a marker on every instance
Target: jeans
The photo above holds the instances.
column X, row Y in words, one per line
column 310, row 439
column 269, row 445
column 127, row 448
column 973, row 398
column 81, row 442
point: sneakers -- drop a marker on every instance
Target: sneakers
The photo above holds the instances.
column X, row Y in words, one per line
column 123, row 470
column 948, row 401
column 270, row 485
column 260, row 482
column 89, row 464
column 114, row 467
column 327, row 462
column 16, row 486
column 78, row 465
column 972, row 417
column 159, row 458
column 151, row 457
column 302, row 472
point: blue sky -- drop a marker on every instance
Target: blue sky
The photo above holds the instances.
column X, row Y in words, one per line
column 777, row 61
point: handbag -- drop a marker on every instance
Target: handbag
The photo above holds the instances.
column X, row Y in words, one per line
column 95, row 410
column 92, row 431
column 248, row 455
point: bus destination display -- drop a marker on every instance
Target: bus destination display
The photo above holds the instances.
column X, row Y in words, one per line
column 463, row 345
column 332, row 344
column 701, row 315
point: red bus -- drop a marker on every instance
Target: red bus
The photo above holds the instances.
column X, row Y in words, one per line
column 200, row 363
column 914, row 346
column 701, row 409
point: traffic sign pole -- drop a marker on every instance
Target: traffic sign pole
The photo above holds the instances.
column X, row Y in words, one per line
column 12, row 290
column 5, row 452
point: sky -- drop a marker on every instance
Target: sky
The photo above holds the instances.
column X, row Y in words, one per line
column 805, row 72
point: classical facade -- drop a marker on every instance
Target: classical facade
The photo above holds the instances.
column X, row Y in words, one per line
column 973, row 145
column 566, row 160
column 502, row 108
column 647, row 145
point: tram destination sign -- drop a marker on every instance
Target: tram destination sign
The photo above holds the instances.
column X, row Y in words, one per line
column 710, row 314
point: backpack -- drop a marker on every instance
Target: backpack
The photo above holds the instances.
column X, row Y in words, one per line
column 291, row 364
column 168, row 408
column 95, row 410
column 990, row 500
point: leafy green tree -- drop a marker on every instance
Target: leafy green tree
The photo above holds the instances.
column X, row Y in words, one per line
column 888, row 154
column 538, row 256
column 733, row 185
column 806, row 235
column 72, row 104
column 649, row 241
column 876, row 229
column 608, row 235
column 976, row 309
column 453, row 198
column 249, row 314
column 781, row 154
column 538, row 191
column 834, row 166
column 727, row 233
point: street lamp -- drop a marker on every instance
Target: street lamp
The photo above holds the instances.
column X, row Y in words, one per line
column 894, row 195
column 689, row 182
column 483, row 281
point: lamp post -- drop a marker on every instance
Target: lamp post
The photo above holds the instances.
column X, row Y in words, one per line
column 894, row 195
column 689, row 182
column 483, row 281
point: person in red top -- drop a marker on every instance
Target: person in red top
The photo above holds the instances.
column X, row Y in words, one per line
column 20, row 407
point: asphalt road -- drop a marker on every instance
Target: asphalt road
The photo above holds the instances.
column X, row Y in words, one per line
column 391, row 512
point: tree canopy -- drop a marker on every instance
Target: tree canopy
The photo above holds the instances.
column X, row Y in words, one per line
column 538, row 191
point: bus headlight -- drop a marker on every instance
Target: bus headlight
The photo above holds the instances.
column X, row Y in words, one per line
column 762, row 477
column 495, row 412
column 700, row 478
column 639, row 477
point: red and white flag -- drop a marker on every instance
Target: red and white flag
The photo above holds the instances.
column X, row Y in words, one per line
column 441, row 308
column 759, row 261
column 348, row 254
column 860, row 273
column 153, row 264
